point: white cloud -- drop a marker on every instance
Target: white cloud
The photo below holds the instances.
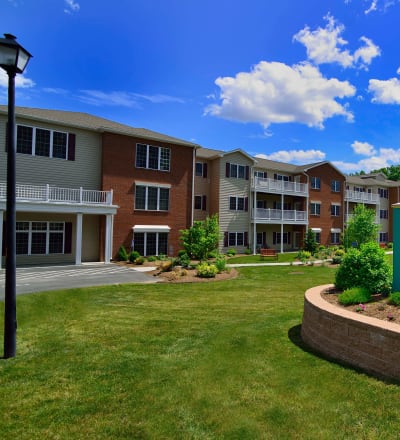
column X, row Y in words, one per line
column 20, row 81
column 294, row 156
column 325, row 45
column 363, row 148
column 71, row 6
column 274, row 92
column 373, row 7
column 386, row 91
column 383, row 158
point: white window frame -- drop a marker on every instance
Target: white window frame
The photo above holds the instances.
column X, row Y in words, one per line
column 47, row 232
column 335, row 210
column 315, row 182
column 158, row 187
column 335, row 186
column 314, row 205
column 160, row 159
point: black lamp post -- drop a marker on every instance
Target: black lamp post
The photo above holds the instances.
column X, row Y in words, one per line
column 13, row 59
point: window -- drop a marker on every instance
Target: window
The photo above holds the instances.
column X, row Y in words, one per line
column 383, row 213
column 260, row 174
column 238, row 203
column 335, row 237
column 315, row 183
column 335, row 210
column 317, row 236
column 151, row 243
column 315, row 208
column 237, row 239
column 383, row 237
column 278, row 238
column 47, row 143
column 237, row 171
column 154, row 158
column 281, row 177
column 383, row 193
column 152, row 198
column 200, row 202
column 335, row 186
column 262, row 204
column 40, row 238
column 286, row 206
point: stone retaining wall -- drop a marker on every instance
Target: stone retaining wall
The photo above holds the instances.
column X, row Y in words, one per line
column 370, row 344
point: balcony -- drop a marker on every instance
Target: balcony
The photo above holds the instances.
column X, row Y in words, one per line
column 280, row 187
column 56, row 195
column 279, row 216
column 361, row 197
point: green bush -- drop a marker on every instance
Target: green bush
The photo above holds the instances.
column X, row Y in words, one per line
column 183, row 260
column 205, row 270
column 336, row 259
column 133, row 256
column 389, row 245
column 303, row 256
column 122, row 254
column 140, row 260
column 151, row 258
column 394, row 298
column 213, row 254
column 365, row 267
column 339, row 252
column 355, row 295
column 247, row 251
column 220, row 263
column 231, row 252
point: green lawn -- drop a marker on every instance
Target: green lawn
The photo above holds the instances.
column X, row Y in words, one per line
column 218, row 360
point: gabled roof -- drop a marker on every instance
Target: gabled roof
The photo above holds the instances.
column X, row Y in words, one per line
column 371, row 180
column 207, row 153
column 89, row 122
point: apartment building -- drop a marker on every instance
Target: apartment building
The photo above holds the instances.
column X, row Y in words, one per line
column 87, row 185
column 264, row 203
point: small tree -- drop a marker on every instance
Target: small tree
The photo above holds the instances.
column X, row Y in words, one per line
column 361, row 227
column 202, row 238
column 310, row 244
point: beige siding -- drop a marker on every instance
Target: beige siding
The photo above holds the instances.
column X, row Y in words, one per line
column 84, row 171
column 234, row 221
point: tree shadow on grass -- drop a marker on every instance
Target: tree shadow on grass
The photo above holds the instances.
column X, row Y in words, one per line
column 294, row 335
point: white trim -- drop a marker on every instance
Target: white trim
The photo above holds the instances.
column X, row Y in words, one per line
column 151, row 228
column 316, row 229
column 158, row 185
column 336, row 230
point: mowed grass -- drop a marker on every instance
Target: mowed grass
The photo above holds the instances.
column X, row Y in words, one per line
column 220, row 360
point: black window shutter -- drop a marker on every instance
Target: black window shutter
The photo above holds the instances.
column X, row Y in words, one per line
column 204, row 204
column 205, row 170
column 246, row 239
column 288, row 237
column 68, row 238
column 3, row 247
column 264, row 239
column 247, row 172
column 225, row 239
column 246, row 203
column 228, row 169
column 265, row 174
column 275, row 176
column 274, row 238
column 71, row 146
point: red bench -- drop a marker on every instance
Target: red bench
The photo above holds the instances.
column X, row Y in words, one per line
column 268, row 253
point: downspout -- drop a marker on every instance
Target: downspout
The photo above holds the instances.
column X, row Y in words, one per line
column 193, row 173
column 307, row 202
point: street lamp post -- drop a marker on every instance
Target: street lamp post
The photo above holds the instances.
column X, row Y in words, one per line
column 13, row 59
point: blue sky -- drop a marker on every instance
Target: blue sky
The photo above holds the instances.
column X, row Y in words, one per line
column 294, row 81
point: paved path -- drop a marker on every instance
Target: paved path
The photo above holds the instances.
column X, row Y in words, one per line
column 38, row 279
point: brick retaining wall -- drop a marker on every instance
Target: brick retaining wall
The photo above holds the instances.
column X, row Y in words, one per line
column 370, row 344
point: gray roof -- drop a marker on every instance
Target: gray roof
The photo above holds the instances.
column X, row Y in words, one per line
column 89, row 122
column 371, row 180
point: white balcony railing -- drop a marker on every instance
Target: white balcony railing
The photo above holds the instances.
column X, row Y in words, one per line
column 361, row 197
column 55, row 194
column 272, row 215
column 280, row 186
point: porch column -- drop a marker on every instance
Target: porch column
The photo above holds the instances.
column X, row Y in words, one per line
column 254, row 222
column 1, row 236
column 78, row 241
column 282, row 237
column 108, row 239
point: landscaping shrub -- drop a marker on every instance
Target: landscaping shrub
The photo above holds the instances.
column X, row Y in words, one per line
column 166, row 266
column 122, row 254
column 133, row 256
column 303, row 256
column 355, row 295
column 205, row 270
column 247, row 251
column 394, row 298
column 231, row 252
column 213, row 254
column 220, row 263
column 183, row 260
column 365, row 267
column 140, row 260
column 151, row 258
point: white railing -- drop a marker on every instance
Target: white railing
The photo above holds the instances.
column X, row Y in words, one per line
column 280, row 186
column 291, row 216
column 55, row 194
column 362, row 197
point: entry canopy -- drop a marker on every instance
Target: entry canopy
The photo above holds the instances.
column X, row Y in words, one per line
column 151, row 228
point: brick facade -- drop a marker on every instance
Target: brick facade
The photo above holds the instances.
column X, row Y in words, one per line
column 120, row 174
